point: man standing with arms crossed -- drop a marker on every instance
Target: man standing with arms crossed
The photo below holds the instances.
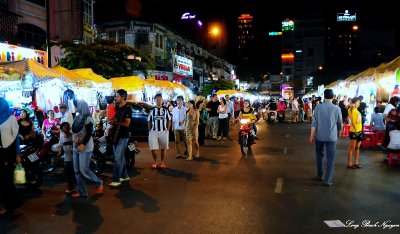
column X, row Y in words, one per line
column 325, row 129
column 159, row 122
column 178, row 125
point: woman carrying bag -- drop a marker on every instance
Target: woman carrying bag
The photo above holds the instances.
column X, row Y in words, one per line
column 82, row 129
column 9, row 156
column 355, row 134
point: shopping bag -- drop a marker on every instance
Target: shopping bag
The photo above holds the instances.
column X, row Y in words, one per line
column 19, row 174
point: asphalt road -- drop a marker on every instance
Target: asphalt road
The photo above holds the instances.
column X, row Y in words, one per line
column 224, row 192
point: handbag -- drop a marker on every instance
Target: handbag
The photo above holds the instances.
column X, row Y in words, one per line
column 360, row 135
column 116, row 130
column 19, row 174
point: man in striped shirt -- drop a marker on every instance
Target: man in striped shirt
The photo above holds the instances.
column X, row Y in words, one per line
column 159, row 122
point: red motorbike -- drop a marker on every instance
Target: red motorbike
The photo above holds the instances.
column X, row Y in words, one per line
column 246, row 136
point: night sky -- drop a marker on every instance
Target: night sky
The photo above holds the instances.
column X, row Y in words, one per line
column 370, row 15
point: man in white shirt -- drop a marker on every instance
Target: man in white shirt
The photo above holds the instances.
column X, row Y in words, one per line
column 231, row 110
column 178, row 125
column 65, row 114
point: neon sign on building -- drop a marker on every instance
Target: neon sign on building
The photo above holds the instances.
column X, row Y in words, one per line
column 288, row 25
column 346, row 16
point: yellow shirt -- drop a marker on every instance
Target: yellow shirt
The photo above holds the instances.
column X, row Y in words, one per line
column 355, row 120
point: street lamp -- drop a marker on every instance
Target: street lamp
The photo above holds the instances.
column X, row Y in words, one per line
column 215, row 32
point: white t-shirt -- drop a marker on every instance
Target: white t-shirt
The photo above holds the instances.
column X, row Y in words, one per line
column 394, row 143
column 388, row 108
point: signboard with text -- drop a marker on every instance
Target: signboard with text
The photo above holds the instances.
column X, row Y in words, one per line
column 10, row 53
column 161, row 75
column 346, row 16
column 182, row 66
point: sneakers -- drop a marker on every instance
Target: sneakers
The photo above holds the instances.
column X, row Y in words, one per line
column 69, row 191
column 179, row 156
column 115, row 184
column 124, row 179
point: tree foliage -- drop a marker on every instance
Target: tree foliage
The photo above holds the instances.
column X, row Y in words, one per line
column 106, row 58
column 220, row 84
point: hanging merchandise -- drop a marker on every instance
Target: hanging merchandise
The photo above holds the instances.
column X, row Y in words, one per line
column 68, row 98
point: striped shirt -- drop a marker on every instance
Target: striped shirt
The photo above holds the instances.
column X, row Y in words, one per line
column 159, row 118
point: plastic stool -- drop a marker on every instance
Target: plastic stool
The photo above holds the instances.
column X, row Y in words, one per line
column 379, row 137
column 345, row 130
column 391, row 156
column 369, row 140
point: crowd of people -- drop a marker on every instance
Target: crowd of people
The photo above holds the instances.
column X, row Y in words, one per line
column 336, row 113
column 191, row 122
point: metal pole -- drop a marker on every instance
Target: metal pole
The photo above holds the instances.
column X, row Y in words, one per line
column 48, row 33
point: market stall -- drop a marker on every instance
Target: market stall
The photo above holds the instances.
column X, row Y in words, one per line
column 134, row 85
column 26, row 80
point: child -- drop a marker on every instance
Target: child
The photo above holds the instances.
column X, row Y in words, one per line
column 66, row 143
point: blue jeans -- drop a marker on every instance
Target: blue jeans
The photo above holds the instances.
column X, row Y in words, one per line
column 83, row 172
column 330, row 159
column 119, row 160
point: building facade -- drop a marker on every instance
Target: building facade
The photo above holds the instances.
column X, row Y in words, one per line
column 26, row 22
column 165, row 46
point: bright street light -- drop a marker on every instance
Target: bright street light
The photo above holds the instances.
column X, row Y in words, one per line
column 215, row 31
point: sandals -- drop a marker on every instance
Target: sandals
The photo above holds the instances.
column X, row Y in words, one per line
column 154, row 166
column 162, row 166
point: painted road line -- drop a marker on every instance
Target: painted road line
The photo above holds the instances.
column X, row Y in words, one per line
column 278, row 186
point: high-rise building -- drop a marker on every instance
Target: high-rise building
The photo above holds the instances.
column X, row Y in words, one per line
column 303, row 48
column 245, row 34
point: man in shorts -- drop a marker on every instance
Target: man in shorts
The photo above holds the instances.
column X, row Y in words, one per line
column 159, row 122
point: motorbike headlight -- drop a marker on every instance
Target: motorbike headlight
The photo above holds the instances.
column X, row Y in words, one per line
column 244, row 121
column 264, row 110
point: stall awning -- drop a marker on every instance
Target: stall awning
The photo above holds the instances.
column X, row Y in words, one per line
column 88, row 73
column 73, row 77
column 129, row 83
column 29, row 66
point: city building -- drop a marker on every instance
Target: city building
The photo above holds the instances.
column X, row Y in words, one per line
column 177, row 59
column 25, row 22
column 303, row 49
column 245, row 36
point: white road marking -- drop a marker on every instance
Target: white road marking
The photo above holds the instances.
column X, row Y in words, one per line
column 278, row 186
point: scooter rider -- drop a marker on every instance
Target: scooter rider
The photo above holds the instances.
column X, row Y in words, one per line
column 248, row 112
column 272, row 107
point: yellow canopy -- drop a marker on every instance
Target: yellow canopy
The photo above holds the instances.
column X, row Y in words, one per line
column 229, row 92
column 161, row 83
column 129, row 83
column 88, row 73
column 74, row 77
column 29, row 66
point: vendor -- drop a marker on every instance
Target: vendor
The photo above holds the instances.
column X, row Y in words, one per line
column 26, row 127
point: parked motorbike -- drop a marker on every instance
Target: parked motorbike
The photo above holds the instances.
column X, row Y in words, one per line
column 103, row 151
column 281, row 116
column 271, row 117
column 30, row 162
column 246, row 138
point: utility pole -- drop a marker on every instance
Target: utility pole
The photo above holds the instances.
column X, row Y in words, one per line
column 48, row 33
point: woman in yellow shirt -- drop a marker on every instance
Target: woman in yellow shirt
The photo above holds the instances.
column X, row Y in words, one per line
column 355, row 130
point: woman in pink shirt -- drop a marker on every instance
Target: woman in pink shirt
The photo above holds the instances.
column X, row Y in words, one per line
column 50, row 124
